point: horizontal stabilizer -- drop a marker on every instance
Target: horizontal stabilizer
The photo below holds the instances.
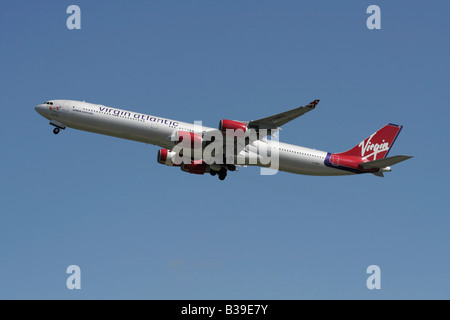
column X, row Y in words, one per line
column 386, row 162
column 378, row 174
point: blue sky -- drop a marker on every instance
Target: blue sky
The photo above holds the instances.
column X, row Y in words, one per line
column 140, row 230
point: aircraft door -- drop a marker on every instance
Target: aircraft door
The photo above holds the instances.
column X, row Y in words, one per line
column 59, row 110
column 65, row 110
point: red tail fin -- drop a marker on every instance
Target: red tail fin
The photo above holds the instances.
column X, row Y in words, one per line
column 377, row 145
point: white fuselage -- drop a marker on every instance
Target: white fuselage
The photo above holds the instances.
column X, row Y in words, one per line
column 158, row 131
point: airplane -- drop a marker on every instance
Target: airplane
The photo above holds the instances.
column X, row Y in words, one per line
column 369, row 156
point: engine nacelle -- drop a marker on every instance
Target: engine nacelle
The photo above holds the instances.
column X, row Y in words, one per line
column 197, row 167
column 167, row 158
column 189, row 140
column 225, row 124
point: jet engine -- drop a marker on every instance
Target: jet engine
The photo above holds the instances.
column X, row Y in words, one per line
column 189, row 140
column 225, row 124
column 167, row 158
column 197, row 167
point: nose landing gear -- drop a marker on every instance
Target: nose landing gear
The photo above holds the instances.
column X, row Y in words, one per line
column 58, row 126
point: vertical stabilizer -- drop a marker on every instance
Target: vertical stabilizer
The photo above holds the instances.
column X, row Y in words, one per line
column 377, row 145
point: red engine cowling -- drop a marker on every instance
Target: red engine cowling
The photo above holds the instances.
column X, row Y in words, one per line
column 167, row 158
column 190, row 140
column 196, row 167
column 225, row 124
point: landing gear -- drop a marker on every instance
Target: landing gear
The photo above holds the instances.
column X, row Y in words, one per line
column 58, row 126
column 222, row 174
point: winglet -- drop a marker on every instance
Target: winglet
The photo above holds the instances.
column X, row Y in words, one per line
column 314, row 103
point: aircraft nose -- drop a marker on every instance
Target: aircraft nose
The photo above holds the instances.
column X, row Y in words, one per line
column 39, row 109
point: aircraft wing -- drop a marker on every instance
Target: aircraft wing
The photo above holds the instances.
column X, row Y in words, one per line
column 272, row 122
column 276, row 121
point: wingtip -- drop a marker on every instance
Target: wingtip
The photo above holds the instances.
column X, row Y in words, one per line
column 314, row 103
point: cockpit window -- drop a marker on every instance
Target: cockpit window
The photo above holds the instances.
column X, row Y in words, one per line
column 51, row 103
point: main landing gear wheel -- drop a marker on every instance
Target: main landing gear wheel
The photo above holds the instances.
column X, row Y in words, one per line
column 56, row 130
column 213, row 173
column 222, row 174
